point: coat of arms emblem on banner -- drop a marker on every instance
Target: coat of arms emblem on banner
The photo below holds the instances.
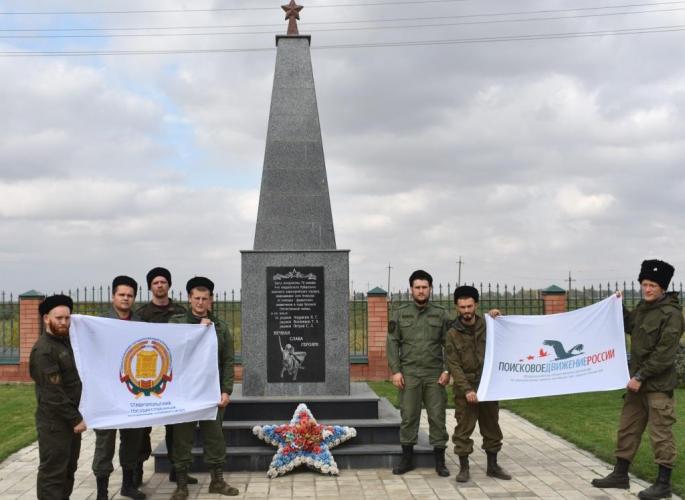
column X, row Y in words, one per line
column 146, row 367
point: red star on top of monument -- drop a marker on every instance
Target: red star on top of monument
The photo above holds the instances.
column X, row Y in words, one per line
column 292, row 14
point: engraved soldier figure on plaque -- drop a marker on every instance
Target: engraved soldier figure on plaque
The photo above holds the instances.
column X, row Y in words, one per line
column 292, row 360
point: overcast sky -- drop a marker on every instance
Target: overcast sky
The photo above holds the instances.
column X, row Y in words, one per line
column 529, row 158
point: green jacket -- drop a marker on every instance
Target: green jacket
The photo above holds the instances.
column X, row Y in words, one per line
column 58, row 386
column 655, row 329
column 416, row 340
column 111, row 313
column 224, row 345
column 150, row 313
column 465, row 352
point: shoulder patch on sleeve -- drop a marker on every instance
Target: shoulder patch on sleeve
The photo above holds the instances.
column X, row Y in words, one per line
column 392, row 326
column 54, row 378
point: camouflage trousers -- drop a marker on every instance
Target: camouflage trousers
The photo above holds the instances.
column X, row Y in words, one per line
column 417, row 392
column 58, row 450
column 654, row 411
column 486, row 415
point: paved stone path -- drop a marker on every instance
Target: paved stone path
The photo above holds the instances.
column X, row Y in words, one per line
column 543, row 465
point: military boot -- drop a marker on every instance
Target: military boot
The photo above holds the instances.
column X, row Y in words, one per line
column 618, row 478
column 138, row 475
column 103, row 485
column 181, row 491
column 440, row 468
column 494, row 470
column 172, row 477
column 463, row 475
column 127, row 487
column 218, row 485
column 407, row 461
column 661, row 488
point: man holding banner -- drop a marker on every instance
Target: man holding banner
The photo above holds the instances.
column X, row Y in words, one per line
column 465, row 352
column 655, row 326
column 159, row 310
column 58, row 392
column 124, row 290
column 200, row 292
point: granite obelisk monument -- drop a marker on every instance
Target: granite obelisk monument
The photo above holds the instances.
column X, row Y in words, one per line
column 295, row 330
column 295, row 338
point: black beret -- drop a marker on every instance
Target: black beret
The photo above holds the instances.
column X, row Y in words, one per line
column 465, row 292
column 420, row 275
column 158, row 271
column 54, row 301
column 658, row 271
column 200, row 281
column 125, row 280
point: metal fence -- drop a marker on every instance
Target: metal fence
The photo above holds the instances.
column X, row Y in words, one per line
column 509, row 300
column 9, row 329
column 632, row 294
column 95, row 301
column 359, row 321
column 524, row 301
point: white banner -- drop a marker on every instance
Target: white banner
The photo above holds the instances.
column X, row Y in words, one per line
column 138, row 374
column 578, row 351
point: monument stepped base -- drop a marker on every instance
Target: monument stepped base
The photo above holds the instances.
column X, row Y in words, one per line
column 377, row 423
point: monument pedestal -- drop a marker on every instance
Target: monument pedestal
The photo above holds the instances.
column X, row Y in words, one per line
column 377, row 423
column 301, row 297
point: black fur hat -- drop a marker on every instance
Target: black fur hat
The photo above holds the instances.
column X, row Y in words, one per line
column 200, row 281
column 54, row 301
column 127, row 281
column 465, row 292
column 158, row 271
column 658, row 271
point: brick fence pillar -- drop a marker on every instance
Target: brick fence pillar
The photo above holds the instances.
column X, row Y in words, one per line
column 553, row 300
column 377, row 303
column 30, row 324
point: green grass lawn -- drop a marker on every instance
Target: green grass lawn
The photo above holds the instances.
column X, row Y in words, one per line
column 589, row 421
column 17, row 407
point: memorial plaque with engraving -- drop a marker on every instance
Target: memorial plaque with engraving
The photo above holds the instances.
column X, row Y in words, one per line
column 295, row 324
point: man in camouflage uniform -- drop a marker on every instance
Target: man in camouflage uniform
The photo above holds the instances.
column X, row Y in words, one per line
column 465, row 351
column 58, row 393
column 124, row 289
column 200, row 292
column 159, row 310
column 655, row 326
column 416, row 338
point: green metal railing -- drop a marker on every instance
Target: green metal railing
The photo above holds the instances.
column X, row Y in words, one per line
column 95, row 301
column 509, row 300
column 9, row 329
column 632, row 294
column 359, row 321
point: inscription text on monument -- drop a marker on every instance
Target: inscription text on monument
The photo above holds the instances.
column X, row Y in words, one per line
column 295, row 324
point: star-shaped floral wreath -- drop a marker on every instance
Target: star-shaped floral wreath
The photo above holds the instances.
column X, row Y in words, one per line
column 303, row 441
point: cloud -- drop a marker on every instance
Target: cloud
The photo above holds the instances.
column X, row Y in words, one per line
column 525, row 159
column 576, row 204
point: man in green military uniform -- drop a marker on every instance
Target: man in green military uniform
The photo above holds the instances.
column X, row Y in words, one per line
column 159, row 310
column 655, row 326
column 162, row 307
column 416, row 339
column 124, row 289
column 200, row 292
column 58, row 394
column 465, row 351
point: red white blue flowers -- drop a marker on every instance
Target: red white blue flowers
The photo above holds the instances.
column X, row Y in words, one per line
column 303, row 442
